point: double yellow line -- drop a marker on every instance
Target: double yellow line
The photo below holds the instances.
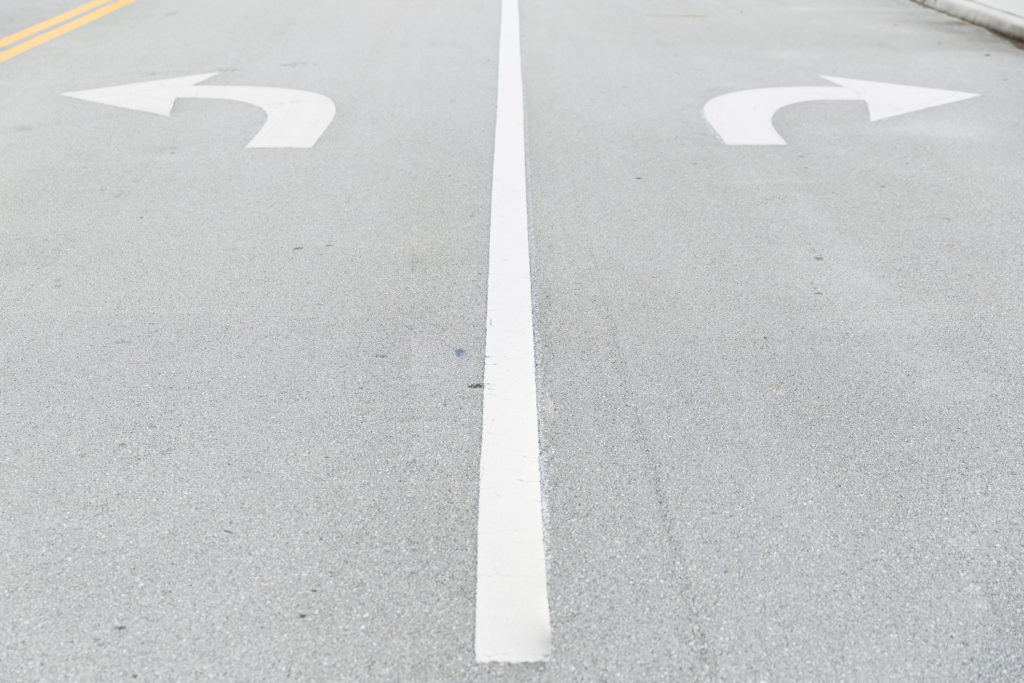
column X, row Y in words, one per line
column 33, row 36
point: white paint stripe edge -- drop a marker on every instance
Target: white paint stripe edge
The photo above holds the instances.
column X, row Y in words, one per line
column 512, row 620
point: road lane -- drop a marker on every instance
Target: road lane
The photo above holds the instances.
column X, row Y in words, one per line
column 780, row 387
column 239, row 438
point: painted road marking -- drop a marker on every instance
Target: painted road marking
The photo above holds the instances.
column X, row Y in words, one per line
column 53, row 21
column 295, row 118
column 745, row 117
column 512, row 621
column 60, row 30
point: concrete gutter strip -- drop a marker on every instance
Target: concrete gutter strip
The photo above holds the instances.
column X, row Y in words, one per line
column 992, row 18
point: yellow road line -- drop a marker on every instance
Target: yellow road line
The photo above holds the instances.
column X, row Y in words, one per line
column 59, row 19
column 60, row 30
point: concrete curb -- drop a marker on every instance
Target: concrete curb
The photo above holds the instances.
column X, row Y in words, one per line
column 1009, row 25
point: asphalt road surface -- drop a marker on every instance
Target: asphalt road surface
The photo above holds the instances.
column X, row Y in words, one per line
column 780, row 389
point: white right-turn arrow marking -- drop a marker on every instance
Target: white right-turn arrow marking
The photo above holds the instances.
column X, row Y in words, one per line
column 745, row 117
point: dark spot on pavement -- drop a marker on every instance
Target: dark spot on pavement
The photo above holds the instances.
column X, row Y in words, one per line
column 120, row 628
column 819, row 258
column 302, row 615
column 296, row 248
column 476, row 385
column 460, row 353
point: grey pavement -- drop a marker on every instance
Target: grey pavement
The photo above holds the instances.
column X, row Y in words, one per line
column 237, row 439
column 780, row 389
column 798, row 368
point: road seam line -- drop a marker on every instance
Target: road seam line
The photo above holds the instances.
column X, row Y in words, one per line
column 512, row 619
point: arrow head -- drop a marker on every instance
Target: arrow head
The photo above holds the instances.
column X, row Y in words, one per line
column 155, row 97
column 886, row 100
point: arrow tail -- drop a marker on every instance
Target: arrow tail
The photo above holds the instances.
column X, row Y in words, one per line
column 745, row 117
column 296, row 119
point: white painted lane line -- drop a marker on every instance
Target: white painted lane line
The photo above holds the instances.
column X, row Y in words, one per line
column 512, row 621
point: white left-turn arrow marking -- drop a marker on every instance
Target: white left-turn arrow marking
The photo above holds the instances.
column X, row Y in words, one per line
column 295, row 118
column 745, row 117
